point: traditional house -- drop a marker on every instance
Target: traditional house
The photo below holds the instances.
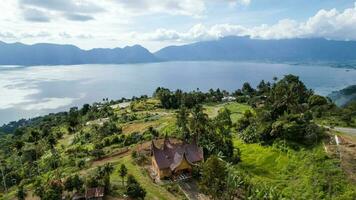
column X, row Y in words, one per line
column 175, row 159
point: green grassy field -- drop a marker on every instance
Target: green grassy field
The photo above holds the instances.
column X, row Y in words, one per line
column 154, row 191
column 237, row 110
column 293, row 172
column 335, row 121
column 261, row 162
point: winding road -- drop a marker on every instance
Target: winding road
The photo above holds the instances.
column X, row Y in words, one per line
column 350, row 131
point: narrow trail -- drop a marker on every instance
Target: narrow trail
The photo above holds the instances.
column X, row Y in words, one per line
column 343, row 147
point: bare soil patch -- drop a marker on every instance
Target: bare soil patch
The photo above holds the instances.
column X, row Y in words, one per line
column 346, row 152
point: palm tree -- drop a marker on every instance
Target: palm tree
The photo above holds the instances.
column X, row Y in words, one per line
column 198, row 122
column 18, row 147
column 21, row 193
column 3, row 165
column 108, row 169
column 105, row 172
column 182, row 122
column 35, row 135
column 123, row 173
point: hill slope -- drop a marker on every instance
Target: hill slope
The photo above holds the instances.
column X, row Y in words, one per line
column 344, row 96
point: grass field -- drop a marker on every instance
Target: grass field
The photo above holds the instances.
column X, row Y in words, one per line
column 153, row 191
column 293, row 172
column 335, row 121
column 236, row 109
column 261, row 162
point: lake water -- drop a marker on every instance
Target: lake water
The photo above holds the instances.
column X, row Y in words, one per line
column 32, row 91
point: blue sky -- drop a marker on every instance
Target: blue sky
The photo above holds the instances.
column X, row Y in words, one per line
column 158, row 23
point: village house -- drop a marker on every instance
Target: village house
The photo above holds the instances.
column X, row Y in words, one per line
column 175, row 159
column 228, row 99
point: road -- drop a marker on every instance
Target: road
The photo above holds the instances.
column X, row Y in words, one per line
column 350, row 131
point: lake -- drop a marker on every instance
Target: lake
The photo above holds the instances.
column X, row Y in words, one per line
column 32, row 91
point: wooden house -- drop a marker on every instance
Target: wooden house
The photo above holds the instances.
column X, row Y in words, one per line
column 174, row 159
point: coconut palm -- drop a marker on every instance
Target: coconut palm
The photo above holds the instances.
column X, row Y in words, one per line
column 123, row 173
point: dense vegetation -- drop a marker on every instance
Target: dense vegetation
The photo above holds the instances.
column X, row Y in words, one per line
column 265, row 145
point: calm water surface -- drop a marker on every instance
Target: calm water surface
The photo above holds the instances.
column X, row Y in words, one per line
column 31, row 91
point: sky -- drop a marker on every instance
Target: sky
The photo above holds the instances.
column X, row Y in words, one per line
column 155, row 24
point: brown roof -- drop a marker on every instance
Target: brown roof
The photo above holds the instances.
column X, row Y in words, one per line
column 171, row 155
column 94, row 192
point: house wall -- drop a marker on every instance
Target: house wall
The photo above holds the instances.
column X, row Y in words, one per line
column 161, row 172
column 184, row 165
column 165, row 173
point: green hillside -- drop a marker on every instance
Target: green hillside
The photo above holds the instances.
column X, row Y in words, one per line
column 266, row 143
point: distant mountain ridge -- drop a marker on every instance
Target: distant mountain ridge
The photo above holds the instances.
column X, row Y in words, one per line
column 54, row 54
column 230, row 48
column 244, row 48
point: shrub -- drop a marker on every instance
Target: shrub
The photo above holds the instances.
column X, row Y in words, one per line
column 134, row 189
column 134, row 154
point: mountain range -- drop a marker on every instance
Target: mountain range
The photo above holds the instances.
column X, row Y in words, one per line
column 54, row 54
column 228, row 48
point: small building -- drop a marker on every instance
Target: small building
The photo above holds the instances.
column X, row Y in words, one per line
column 175, row 159
column 228, row 99
column 94, row 193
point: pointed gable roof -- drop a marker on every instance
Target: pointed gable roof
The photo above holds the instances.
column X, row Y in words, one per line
column 171, row 155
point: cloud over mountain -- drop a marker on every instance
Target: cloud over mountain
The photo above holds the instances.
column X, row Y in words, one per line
column 330, row 24
column 159, row 23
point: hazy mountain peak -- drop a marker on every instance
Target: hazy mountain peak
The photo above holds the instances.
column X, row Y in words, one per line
column 64, row 54
column 245, row 49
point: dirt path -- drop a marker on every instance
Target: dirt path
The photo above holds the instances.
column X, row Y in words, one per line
column 112, row 158
column 346, row 152
column 145, row 146
column 190, row 189
column 348, row 156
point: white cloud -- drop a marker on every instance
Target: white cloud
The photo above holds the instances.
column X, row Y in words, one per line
column 35, row 15
column 239, row 2
column 197, row 33
column 195, row 8
column 172, row 7
column 245, row 2
column 7, row 35
column 330, row 24
column 112, row 23
column 89, row 23
column 41, row 34
column 50, row 103
column 44, row 11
